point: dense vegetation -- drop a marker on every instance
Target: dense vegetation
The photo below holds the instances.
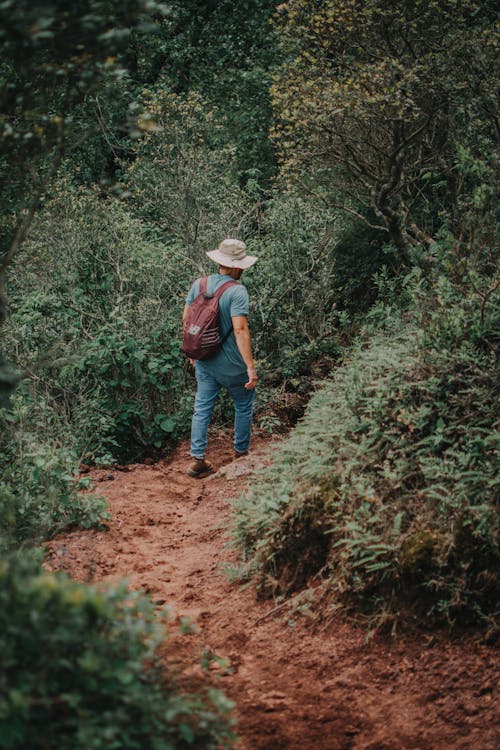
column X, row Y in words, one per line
column 354, row 146
column 96, row 682
column 383, row 492
column 388, row 490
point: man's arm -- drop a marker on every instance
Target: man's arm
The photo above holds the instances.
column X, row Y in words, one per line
column 243, row 341
column 184, row 318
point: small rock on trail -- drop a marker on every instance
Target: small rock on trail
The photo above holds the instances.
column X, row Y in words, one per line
column 297, row 686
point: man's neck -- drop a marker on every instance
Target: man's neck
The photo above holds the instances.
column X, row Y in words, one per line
column 234, row 273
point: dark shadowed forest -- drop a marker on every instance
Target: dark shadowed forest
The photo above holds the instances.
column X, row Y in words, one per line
column 354, row 147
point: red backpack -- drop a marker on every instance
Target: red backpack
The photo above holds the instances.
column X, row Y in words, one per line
column 202, row 338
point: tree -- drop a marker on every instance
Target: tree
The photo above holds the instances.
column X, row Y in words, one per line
column 224, row 51
column 184, row 177
column 372, row 99
column 53, row 55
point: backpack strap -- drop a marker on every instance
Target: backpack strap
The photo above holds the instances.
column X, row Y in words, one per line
column 218, row 292
column 203, row 287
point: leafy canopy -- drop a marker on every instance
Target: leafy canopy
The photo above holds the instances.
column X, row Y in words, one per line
column 372, row 98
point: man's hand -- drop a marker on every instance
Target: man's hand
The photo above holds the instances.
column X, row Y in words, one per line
column 252, row 378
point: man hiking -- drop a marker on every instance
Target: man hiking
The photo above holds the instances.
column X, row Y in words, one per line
column 232, row 367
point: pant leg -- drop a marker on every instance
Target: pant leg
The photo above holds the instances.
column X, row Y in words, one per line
column 206, row 396
column 243, row 399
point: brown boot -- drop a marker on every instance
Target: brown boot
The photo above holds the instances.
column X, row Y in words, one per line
column 200, row 468
column 240, row 454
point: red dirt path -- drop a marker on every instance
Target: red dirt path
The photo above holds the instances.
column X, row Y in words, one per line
column 297, row 685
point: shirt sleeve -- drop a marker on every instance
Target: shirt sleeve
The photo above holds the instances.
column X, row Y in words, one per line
column 193, row 292
column 239, row 301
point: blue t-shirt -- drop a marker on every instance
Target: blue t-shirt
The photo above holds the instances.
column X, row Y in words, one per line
column 234, row 301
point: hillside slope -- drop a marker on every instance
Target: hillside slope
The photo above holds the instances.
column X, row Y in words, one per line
column 298, row 684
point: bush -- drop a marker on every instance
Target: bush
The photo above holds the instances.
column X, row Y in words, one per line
column 294, row 318
column 314, row 282
column 184, row 178
column 80, row 671
column 102, row 334
column 388, row 488
column 39, row 492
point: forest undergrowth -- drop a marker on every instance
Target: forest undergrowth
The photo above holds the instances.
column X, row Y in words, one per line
column 387, row 490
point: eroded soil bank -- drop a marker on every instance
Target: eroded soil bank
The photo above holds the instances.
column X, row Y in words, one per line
column 297, row 685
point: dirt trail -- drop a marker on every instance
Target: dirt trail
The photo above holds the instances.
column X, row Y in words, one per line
column 296, row 687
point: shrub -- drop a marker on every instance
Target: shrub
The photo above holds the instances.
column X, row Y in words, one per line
column 102, row 333
column 80, row 671
column 184, row 178
column 39, row 492
column 388, row 488
column 294, row 318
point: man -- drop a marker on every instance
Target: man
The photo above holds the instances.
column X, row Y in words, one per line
column 232, row 367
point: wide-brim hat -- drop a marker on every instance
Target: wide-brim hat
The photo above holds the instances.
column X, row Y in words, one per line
column 232, row 254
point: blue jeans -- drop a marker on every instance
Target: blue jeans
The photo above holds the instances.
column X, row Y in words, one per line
column 206, row 396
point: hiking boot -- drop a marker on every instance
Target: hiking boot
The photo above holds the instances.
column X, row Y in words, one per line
column 199, row 468
column 240, row 454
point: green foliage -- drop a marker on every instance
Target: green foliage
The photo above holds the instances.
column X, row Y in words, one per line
column 103, row 333
column 376, row 101
column 294, row 318
column 51, row 57
column 39, row 493
column 223, row 51
column 360, row 256
column 80, row 671
column 184, row 177
column 389, row 485
column 9, row 378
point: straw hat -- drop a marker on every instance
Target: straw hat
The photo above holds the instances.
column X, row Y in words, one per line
column 232, row 254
